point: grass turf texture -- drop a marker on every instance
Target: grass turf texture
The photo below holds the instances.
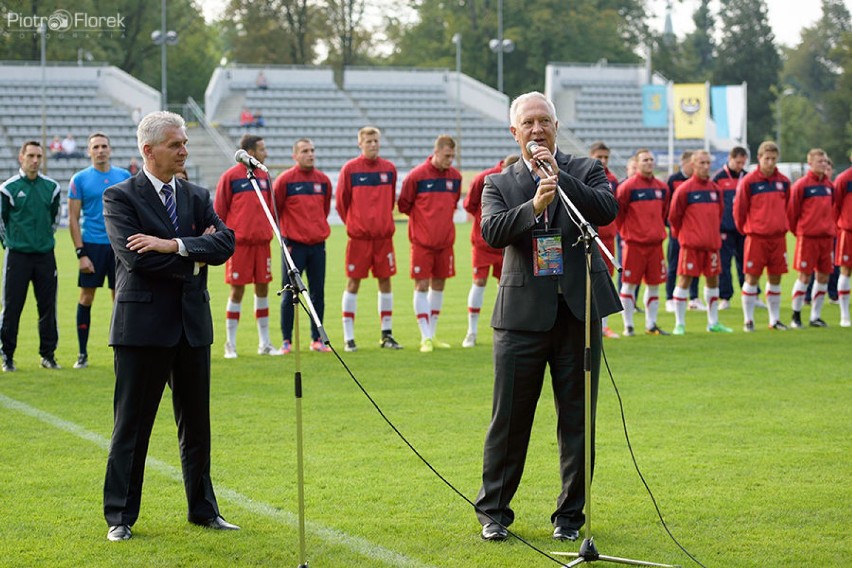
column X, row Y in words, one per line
column 743, row 438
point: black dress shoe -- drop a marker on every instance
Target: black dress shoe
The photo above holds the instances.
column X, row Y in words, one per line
column 119, row 532
column 494, row 532
column 218, row 523
column 565, row 533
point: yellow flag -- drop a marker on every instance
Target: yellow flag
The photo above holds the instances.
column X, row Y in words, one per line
column 690, row 110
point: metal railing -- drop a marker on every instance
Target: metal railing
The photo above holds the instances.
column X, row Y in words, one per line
column 226, row 147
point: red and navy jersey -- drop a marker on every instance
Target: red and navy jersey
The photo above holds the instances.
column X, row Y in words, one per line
column 366, row 194
column 608, row 232
column 760, row 207
column 303, row 201
column 843, row 200
column 429, row 197
column 473, row 205
column 810, row 209
column 236, row 203
column 695, row 214
column 642, row 206
column 727, row 181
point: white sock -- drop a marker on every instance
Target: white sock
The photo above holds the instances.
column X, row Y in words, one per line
column 711, row 298
column 843, row 286
column 799, row 290
column 385, row 303
column 232, row 320
column 652, row 305
column 818, row 300
column 436, row 301
column 261, row 314
column 349, row 307
column 421, row 310
column 628, row 302
column 681, row 299
column 475, row 299
column 749, row 295
column 773, row 301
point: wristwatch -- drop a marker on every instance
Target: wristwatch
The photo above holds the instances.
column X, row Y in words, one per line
column 81, row 252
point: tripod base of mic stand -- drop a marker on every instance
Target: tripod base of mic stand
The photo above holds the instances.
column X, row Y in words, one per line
column 589, row 553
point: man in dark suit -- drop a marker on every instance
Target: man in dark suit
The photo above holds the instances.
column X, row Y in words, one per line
column 164, row 232
column 539, row 312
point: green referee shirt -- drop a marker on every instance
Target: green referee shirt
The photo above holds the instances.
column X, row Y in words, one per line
column 29, row 213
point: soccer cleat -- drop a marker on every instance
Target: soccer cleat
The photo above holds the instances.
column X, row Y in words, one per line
column 778, row 326
column 679, row 329
column 440, row 344
column 818, row 323
column 268, row 349
column 670, row 306
column 49, row 363
column 9, row 365
column 350, row 346
column 724, row 304
column 82, row 361
column 469, row 340
column 628, row 331
column 426, row 346
column 607, row 332
column 319, row 346
column 719, row 328
column 656, row 331
column 388, row 342
column 230, row 351
column 286, row 347
column 796, row 320
column 697, row 305
column 845, row 323
column 748, row 326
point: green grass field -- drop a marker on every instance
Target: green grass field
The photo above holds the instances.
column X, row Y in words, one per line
column 744, row 440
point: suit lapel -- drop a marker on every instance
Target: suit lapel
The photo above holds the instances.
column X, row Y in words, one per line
column 184, row 209
column 149, row 194
column 524, row 180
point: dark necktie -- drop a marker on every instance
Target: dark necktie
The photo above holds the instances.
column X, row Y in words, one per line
column 171, row 209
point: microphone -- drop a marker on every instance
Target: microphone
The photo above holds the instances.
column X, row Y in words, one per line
column 532, row 146
column 244, row 158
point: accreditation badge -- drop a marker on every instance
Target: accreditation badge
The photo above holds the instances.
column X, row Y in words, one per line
column 547, row 248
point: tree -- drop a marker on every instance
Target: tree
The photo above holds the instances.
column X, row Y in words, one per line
column 747, row 52
column 689, row 60
column 272, row 31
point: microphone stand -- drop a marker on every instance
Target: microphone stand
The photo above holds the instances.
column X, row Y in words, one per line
column 588, row 551
column 298, row 289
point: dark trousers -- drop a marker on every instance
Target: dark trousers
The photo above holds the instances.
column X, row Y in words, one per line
column 21, row 268
column 141, row 374
column 672, row 254
column 732, row 248
column 310, row 262
column 520, row 358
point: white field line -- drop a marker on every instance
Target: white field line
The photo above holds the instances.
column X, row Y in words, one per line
column 335, row 537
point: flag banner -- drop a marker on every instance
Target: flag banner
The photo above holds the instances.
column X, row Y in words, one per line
column 728, row 111
column 690, row 110
column 655, row 106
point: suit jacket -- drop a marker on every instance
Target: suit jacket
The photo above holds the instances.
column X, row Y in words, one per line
column 157, row 297
column 527, row 302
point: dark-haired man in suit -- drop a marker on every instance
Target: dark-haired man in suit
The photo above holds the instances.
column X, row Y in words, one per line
column 539, row 313
column 164, row 232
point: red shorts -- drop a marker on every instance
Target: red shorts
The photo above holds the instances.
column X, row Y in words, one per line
column 363, row 255
column 249, row 264
column 610, row 244
column 483, row 259
column 765, row 252
column 695, row 262
column 643, row 262
column 814, row 253
column 432, row 263
column 843, row 252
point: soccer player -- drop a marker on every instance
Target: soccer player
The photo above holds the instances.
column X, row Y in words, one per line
column 429, row 196
column 810, row 215
column 600, row 151
column 366, row 194
column 91, row 243
column 303, row 201
column 238, row 206
column 673, row 247
column 694, row 217
column 484, row 257
column 641, row 223
column 727, row 179
column 843, row 252
column 760, row 214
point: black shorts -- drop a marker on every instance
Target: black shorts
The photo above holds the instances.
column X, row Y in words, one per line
column 103, row 259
